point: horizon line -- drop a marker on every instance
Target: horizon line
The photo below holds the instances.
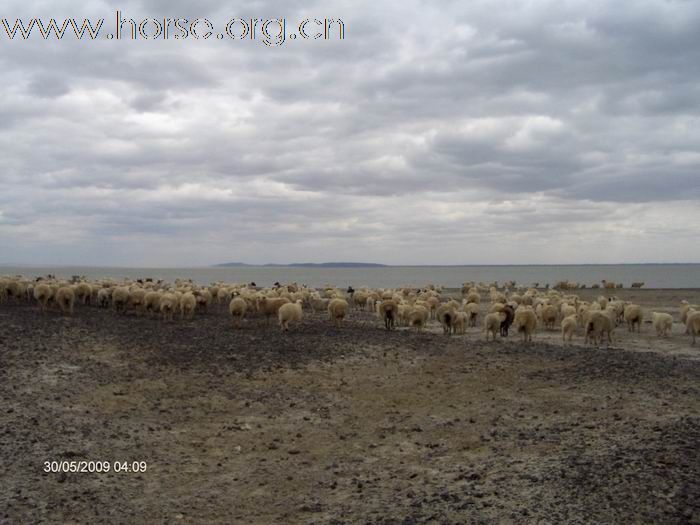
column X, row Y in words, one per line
column 364, row 265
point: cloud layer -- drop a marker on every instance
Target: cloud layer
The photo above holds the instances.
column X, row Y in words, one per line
column 523, row 132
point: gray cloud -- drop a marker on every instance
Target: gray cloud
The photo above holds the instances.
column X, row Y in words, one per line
column 535, row 130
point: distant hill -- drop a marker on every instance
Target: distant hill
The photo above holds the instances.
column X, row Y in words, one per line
column 304, row 265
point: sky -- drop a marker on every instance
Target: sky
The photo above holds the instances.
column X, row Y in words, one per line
column 452, row 132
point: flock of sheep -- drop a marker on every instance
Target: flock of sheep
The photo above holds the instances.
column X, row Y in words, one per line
column 512, row 307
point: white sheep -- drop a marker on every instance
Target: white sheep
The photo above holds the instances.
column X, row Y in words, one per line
column 65, row 298
column 472, row 311
column 568, row 327
column 633, row 315
column 83, row 293
column 445, row 315
column 597, row 324
column 418, row 317
column 237, row 308
column 525, row 322
column 289, row 312
column 43, row 294
column 104, row 296
column 337, row 310
column 120, row 298
column 492, row 323
column 566, row 310
column 151, row 302
column 137, row 299
column 548, row 315
column 459, row 323
column 692, row 323
column 662, row 322
column 269, row 306
column 169, row 303
column 188, row 304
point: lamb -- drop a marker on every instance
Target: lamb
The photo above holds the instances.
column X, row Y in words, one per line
column 389, row 310
column 568, row 327
column 188, row 304
column 43, row 294
column 663, row 323
column 492, row 323
column 597, row 324
column 525, row 322
column 633, row 316
column 289, row 312
column 65, row 298
column 337, row 310
column 693, row 324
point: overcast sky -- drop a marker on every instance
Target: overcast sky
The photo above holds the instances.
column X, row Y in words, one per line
column 474, row 132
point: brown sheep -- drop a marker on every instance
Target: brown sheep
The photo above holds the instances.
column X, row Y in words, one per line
column 389, row 310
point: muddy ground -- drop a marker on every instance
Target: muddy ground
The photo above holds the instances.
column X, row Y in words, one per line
column 344, row 425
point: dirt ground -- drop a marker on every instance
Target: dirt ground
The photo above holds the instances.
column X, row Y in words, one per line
column 355, row 424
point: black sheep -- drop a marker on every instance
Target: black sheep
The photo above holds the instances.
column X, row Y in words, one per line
column 510, row 315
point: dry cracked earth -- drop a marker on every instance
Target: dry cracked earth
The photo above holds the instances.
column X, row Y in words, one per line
column 330, row 425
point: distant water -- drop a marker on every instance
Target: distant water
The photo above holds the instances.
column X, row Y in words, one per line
column 654, row 275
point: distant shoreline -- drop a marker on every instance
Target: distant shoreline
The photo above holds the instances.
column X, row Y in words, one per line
column 342, row 265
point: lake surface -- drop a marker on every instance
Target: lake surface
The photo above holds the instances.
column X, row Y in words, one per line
column 654, row 275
